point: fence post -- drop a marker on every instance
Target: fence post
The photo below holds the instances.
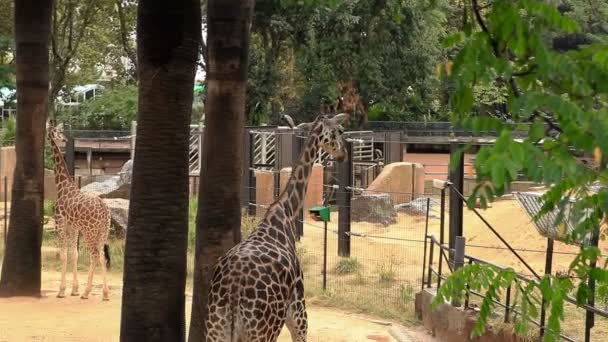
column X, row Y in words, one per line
column 430, row 272
column 459, row 244
column 456, row 203
column 426, row 233
column 69, row 154
column 133, row 137
column 590, row 316
column 325, row 256
column 345, row 177
column 508, row 304
column 548, row 267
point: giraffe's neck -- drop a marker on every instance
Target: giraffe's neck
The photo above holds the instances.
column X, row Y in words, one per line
column 292, row 197
column 63, row 180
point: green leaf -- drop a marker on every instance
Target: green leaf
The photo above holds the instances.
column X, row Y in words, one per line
column 498, row 173
column 453, row 39
column 537, row 131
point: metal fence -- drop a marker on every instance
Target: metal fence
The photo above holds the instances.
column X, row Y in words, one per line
column 581, row 322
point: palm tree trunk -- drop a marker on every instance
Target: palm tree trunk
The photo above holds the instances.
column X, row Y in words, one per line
column 153, row 306
column 219, row 211
column 21, row 265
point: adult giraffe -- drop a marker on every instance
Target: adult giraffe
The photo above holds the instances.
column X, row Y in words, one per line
column 77, row 212
column 258, row 285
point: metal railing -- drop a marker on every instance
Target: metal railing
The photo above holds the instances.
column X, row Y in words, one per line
column 430, row 270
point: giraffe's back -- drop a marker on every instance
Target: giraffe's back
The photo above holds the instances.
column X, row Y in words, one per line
column 251, row 290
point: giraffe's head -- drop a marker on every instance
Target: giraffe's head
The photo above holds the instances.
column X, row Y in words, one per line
column 55, row 131
column 330, row 133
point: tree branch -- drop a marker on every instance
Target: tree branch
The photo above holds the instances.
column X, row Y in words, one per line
column 124, row 36
column 511, row 80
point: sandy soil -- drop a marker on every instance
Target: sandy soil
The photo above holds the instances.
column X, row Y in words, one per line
column 72, row 319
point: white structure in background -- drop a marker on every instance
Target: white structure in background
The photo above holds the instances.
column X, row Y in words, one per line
column 80, row 94
column 6, row 94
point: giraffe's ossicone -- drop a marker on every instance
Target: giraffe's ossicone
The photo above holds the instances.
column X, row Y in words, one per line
column 258, row 286
column 77, row 213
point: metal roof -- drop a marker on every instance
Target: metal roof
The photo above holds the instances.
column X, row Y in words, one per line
column 532, row 203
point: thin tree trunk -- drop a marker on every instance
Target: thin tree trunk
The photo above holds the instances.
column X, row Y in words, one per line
column 153, row 306
column 219, row 211
column 21, row 266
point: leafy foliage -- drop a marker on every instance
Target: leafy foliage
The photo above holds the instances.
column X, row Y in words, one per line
column 560, row 98
column 114, row 110
column 8, row 131
column 302, row 51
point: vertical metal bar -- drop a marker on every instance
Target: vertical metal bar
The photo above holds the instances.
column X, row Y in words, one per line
column 548, row 267
column 456, row 204
column 430, row 272
column 590, row 316
column 325, row 257
column 440, row 269
column 426, row 233
column 459, row 244
column 508, row 304
column 344, row 202
column 251, row 175
column 466, row 296
column 442, row 218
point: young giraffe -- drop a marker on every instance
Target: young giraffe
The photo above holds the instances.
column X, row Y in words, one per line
column 77, row 212
column 258, row 285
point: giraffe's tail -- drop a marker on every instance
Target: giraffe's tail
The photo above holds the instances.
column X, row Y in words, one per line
column 106, row 253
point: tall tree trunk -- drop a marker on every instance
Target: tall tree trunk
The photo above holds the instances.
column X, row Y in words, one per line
column 153, row 306
column 219, row 211
column 21, row 266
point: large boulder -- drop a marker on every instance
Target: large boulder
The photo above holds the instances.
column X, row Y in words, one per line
column 119, row 210
column 114, row 187
column 373, row 208
column 403, row 181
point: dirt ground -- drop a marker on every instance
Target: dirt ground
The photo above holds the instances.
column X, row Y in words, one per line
column 70, row 319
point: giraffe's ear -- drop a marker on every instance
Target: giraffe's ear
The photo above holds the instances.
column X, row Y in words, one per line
column 340, row 118
column 306, row 127
column 59, row 127
column 289, row 121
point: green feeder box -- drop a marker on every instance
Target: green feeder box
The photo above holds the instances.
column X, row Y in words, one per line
column 320, row 213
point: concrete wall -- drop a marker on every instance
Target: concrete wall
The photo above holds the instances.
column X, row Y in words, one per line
column 314, row 194
column 436, row 164
column 451, row 324
column 7, row 167
column 264, row 190
column 470, row 183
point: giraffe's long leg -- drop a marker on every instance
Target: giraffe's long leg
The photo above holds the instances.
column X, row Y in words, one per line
column 73, row 246
column 63, row 253
column 93, row 262
column 297, row 320
column 102, row 262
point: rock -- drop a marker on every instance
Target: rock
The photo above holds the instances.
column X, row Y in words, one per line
column 373, row 208
column 126, row 172
column 115, row 186
column 119, row 210
column 417, row 207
